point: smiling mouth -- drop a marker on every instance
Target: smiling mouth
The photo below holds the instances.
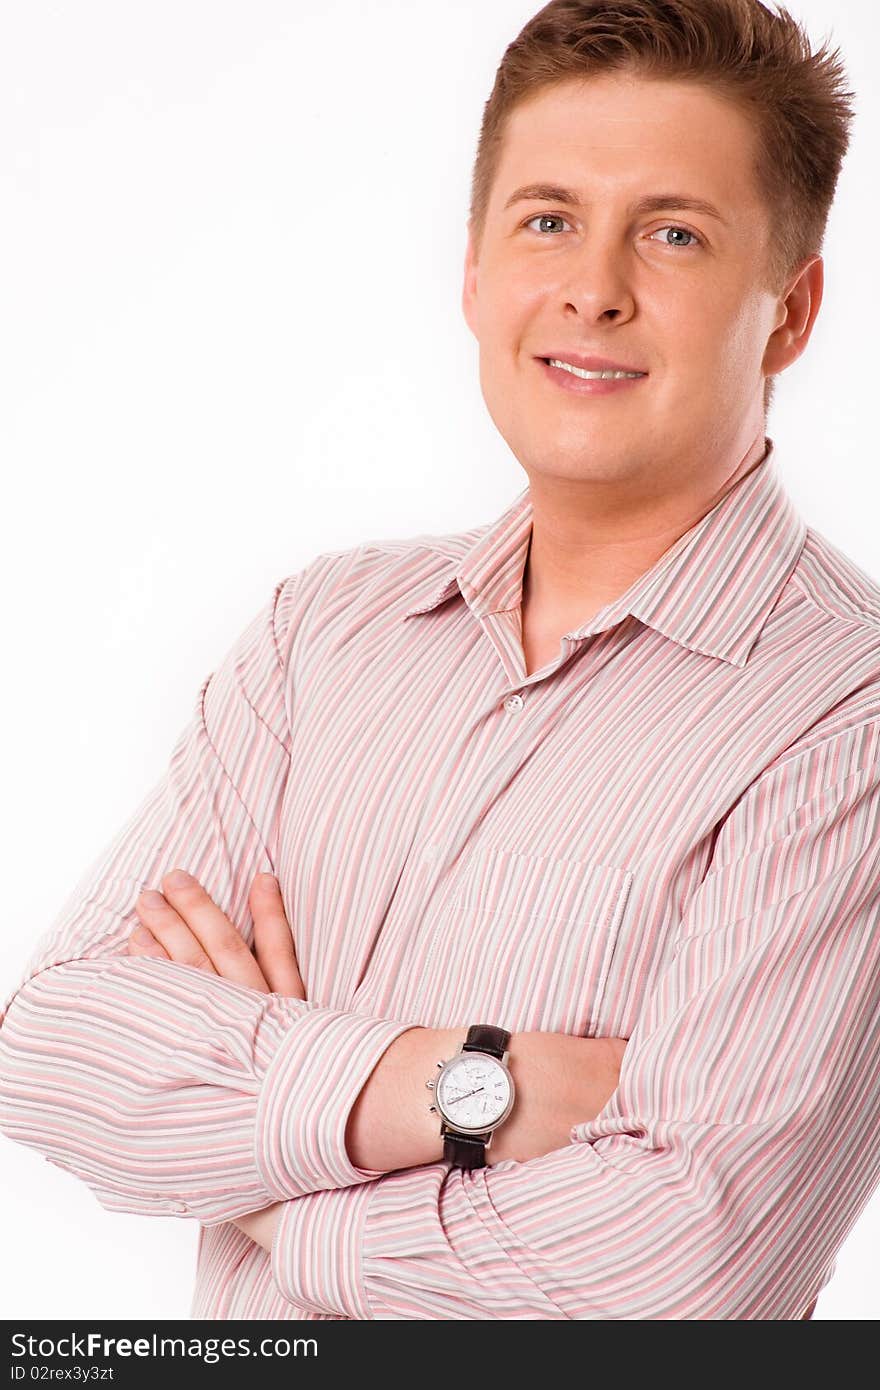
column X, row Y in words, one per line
column 591, row 376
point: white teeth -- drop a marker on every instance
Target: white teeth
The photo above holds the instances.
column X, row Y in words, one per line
column 590, row 376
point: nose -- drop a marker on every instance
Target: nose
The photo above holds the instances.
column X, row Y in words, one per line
column 596, row 283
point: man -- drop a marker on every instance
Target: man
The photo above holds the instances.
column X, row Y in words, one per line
column 598, row 781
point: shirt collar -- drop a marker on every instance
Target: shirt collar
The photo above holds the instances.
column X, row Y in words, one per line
column 711, row 591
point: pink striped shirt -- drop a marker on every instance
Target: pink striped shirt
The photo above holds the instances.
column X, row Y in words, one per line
column 669, row 833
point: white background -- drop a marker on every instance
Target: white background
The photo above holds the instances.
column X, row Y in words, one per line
column 231, row 339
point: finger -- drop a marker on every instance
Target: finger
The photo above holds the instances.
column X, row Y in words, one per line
column 217, row 936
column 273, row 938
column 171, row 931
column 142, row 942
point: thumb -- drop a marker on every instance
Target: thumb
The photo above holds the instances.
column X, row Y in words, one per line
column 273, row 939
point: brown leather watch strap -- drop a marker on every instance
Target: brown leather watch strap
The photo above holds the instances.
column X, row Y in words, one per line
column 465, row 1150
column 486, row 1037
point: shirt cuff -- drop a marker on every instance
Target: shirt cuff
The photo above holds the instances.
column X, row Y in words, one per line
column 316, row 1255
column 307, row 1093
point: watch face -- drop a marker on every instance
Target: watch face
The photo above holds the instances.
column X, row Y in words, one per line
column 474, row 1091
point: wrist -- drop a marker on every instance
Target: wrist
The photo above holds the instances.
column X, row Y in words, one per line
column 390, row 1125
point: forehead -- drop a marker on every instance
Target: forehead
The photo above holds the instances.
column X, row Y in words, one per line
column 622, row 133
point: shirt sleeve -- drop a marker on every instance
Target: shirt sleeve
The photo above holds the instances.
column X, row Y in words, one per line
column 166, row 1089
column 743, row 1140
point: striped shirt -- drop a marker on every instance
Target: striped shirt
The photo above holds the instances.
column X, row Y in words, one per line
column 669, row 833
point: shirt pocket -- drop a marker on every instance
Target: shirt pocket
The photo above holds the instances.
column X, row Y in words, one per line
column 526, row 941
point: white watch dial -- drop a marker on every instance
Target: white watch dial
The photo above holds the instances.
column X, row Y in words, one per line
column 473, row 1091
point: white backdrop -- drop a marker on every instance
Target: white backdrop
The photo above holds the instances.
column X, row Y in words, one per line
column 231, row 339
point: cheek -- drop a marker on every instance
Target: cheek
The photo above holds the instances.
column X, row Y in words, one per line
column 690, row 321
column 502, row 354
column 498, row 385
column 512, row 300
column 710, row 338
column 741, row 344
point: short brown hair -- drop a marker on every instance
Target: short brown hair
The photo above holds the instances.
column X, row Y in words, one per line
column 739, row 49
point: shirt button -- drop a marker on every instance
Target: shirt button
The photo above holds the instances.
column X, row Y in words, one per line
column 513, row 703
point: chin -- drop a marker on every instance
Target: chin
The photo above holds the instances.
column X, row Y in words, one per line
column 585, row 459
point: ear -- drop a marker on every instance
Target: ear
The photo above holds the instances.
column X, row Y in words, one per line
column 797, row 312
column 469, row 290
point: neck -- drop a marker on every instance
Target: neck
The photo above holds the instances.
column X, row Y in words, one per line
column 578, row 561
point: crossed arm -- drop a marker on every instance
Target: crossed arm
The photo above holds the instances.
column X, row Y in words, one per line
column 560, row 1079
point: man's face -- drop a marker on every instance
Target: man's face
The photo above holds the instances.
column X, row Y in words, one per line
column 596, row 278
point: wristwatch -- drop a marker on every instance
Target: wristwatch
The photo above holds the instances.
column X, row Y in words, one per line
column 473, row 1095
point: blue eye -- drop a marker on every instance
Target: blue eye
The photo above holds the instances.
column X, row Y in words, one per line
column 687, row 232
column 546, row 217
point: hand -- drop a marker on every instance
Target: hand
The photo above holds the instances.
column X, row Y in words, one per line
column 187, row 926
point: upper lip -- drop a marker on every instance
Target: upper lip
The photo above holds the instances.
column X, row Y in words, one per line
column 592, row 364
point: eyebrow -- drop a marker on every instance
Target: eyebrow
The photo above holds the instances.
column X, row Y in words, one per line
column 652, row 202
